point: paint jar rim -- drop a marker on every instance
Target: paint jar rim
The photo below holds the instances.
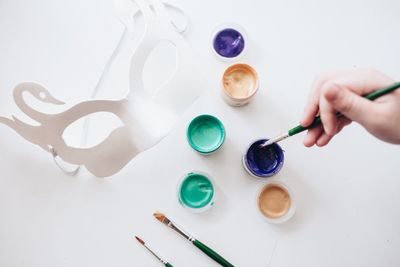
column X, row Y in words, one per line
column 201, row 150
column 252, row 70
column 276, row 170
column 236, row 27
column 290, row 212
column 209, row 205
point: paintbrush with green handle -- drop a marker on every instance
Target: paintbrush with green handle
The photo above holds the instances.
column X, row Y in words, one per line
column 317, row 120
column 166, row 263
column 208, row 251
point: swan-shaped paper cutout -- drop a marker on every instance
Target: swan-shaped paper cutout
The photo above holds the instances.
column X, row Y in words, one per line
column 146, row 117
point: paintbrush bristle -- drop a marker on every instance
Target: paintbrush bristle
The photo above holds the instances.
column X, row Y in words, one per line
column 139, row 240
column 159, row 216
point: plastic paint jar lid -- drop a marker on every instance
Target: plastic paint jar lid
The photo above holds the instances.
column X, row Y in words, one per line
column 205, row 134
column 196, row 191
column 239, row 84
column 276, row 202
column 229, row 41
column 263, row 161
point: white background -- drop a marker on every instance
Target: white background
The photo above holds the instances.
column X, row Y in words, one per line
column 348, row 193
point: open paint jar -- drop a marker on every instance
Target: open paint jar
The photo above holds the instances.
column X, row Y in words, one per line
column 196, row 192
column 206, row 134
column 263, row 161
column 239, row 84
column 229, row 41
column 276, row 202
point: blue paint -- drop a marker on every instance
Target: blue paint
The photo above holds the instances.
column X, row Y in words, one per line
column 263, row 161
column 229, row 43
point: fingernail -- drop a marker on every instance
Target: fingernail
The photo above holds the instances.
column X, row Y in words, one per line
column 305, row 112
column 333, row 93
column 303, row 120
column 306, row 143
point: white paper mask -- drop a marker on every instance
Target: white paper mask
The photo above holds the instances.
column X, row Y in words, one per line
column 146, row 117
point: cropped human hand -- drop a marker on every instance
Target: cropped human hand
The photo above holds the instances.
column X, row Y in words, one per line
column 341, row 91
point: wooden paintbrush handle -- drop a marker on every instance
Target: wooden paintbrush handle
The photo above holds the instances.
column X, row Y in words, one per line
column 168, row 265
column 212, row 254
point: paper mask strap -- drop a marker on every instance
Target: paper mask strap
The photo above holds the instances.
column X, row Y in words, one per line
column 69, row 169
column 181, row 28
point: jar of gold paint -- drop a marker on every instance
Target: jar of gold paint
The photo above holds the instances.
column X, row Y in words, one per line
column 276, row 202
column 239, row 84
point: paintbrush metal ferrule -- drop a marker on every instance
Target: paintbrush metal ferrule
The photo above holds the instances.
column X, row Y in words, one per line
column 162, row 218
column 206, row 250
column 275, row 139
column 155, row 255
column 178, row 229
column 151, row 251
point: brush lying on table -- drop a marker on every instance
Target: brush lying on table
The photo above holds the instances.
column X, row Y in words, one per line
column 166, row 263
column 208, row 251
column 317, row 120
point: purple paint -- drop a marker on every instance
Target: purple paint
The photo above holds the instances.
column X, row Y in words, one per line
column 229, row 43
column 263, row 161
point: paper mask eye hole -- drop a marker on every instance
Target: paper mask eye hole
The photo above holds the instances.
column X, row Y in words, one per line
column 159, row 67
column 99, row 126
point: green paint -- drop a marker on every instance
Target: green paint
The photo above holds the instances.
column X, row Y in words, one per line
column 196, row 191
column 206, row 134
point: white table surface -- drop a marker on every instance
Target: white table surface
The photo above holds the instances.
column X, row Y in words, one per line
column 348, row 193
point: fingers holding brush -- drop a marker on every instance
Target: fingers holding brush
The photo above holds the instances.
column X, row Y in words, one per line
column 312, row 107
column 312, row 136
column 345, row 93
column 324, row 139
column 317, row 136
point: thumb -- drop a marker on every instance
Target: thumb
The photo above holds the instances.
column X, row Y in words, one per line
column 353, row 106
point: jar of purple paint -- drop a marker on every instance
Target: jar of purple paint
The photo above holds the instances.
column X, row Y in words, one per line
column 263, row 161
column 229, row 41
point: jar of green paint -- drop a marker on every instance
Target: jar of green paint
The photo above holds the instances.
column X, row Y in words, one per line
column 205, row 134
column 196, row 191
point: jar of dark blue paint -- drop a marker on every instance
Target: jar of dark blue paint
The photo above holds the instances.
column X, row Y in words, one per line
column 263, row 161
column 229, row 41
